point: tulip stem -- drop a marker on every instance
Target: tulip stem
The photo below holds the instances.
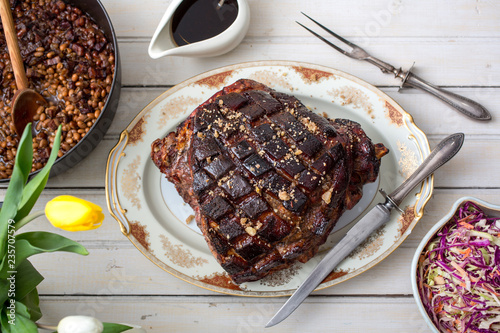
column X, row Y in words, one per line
column 28, row 218
column 46, row 327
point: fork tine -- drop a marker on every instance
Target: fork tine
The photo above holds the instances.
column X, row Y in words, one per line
column 324, row 40
column 331, row 32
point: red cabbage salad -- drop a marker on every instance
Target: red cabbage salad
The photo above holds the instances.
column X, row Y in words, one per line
column 458, row 275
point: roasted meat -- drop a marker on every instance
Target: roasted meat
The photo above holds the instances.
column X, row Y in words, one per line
column 266, row 177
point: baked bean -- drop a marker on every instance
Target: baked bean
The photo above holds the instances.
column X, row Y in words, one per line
column 85, row 84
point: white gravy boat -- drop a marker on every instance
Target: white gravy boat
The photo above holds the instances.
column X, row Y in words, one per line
column 162, row 43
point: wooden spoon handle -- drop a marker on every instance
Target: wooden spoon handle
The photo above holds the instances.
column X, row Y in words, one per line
column 12, row 45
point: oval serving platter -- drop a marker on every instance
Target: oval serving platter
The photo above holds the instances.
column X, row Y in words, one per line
column 154, row 218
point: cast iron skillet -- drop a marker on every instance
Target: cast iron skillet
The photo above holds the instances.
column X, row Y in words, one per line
column 96, row 10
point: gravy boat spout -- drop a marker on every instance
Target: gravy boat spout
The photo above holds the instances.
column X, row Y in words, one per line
column 163, row 44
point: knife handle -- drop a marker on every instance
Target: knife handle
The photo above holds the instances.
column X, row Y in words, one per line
column 464, row 105
column 444, row 151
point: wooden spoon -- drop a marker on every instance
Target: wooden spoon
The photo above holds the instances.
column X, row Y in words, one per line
column 26, row 101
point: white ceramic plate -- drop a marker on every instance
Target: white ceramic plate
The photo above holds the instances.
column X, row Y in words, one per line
column 153, row 216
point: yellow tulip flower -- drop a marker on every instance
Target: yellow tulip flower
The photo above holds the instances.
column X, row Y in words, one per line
column 73, row 214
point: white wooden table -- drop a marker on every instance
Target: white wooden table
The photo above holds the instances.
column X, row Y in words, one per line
column 455, row 43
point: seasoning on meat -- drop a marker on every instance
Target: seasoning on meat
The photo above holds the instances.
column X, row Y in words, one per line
column 278, row 179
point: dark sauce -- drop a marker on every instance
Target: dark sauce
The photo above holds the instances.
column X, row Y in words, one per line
column 197, row 20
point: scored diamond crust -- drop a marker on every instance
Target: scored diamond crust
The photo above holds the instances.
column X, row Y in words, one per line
column 266, row 177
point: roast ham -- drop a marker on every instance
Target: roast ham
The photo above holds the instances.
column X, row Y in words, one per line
column 266, row 177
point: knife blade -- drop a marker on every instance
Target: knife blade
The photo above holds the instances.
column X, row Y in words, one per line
column 373, row 220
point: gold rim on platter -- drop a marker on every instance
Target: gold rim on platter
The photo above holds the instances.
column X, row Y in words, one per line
column 134, row 186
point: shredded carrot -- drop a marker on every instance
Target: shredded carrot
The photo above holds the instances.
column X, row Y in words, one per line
column 466, row 225
column 491, row 290
column 427, row 271
column 458, row 248
column 459, row 269
column 465, row 252
column 466, row 219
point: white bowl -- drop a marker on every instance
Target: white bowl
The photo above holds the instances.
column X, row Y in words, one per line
column 489, row 209
column 162, row 43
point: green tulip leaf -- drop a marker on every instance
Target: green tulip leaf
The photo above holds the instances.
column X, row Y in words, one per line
column 34, row 188
column 32, row 302
column 115, row 328
column 4, row 290
column 18, row 179
column 4, row 321
column 27, row 278
column 31, row 243
column 24, row 155
column 22, row 322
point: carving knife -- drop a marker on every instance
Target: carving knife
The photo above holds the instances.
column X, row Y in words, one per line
column 373, row 220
